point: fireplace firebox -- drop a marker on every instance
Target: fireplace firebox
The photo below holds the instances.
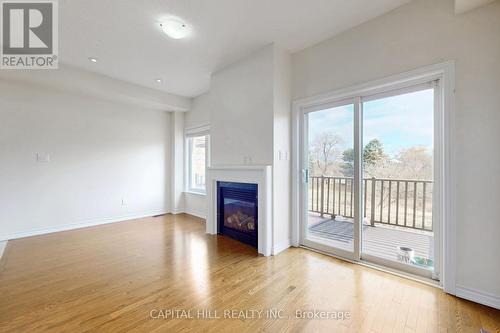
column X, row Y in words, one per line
column 237, row 211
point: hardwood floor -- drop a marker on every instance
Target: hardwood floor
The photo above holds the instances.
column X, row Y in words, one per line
column 111, row 278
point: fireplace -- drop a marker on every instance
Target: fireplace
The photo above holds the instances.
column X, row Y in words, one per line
column 261, row 178
column 237, row 211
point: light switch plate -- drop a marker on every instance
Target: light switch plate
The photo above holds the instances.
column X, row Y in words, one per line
column 42, row 158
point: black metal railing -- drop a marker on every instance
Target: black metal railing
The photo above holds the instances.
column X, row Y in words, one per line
column 399, row 202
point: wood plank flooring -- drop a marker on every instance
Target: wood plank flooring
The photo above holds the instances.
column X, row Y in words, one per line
column 115, row 277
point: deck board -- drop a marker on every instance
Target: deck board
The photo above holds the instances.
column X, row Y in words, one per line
column 379, row 241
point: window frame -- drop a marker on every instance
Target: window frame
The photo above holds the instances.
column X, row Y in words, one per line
column 189, row 134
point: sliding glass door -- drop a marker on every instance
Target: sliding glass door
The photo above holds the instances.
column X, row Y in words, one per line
column 398, row 172
column 368, row 178
column 330, row 196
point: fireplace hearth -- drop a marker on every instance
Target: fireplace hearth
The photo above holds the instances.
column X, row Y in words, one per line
column 237, row 211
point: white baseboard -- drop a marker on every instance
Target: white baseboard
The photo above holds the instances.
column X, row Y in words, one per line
column 177, row 211
column 78, row 225
column 478, row 296
column 282, row 246
column 197, row 214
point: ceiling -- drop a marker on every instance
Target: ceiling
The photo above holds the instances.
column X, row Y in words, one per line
column 125, row 36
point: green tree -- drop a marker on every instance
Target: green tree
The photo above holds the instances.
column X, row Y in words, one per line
column 373, row 156
column 348, row 164
column 373, row 152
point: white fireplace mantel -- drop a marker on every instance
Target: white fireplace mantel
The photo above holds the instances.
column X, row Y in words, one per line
column 253, row 174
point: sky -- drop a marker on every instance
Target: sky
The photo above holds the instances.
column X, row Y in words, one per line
column 400, row 122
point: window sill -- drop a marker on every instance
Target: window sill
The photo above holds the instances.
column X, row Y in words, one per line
column 202, row 194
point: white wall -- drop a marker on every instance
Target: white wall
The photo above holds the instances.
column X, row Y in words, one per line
column 249, row 107
column 195, row 204
column 199, row 115
column 242, row 111
column 82, row 82
column 282, row 148
column 177, row 162
column 100, row 153
column 462, row 6
column 415, row 35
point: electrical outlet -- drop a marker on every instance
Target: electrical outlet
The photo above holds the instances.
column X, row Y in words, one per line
column 123, row 201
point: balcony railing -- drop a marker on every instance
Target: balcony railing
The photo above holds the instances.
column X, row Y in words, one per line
column 397, row 202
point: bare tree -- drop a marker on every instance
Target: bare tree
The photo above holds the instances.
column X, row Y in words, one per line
column 414, row 163
column 324, row 152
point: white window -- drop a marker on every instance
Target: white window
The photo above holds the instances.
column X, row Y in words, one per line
column 197, row 152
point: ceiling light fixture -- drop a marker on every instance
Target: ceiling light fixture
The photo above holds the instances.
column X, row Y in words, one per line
column 94, row 60
column 175, row 28
column 158, row 81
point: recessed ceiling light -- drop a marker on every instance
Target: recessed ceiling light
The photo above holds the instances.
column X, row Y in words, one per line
column 94, row 60
column 158, row 80
column 175, row 28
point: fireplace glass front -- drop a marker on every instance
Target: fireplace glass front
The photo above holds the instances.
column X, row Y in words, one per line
column 237, row 211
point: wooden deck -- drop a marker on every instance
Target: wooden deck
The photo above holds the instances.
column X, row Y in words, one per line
column 380, row 241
